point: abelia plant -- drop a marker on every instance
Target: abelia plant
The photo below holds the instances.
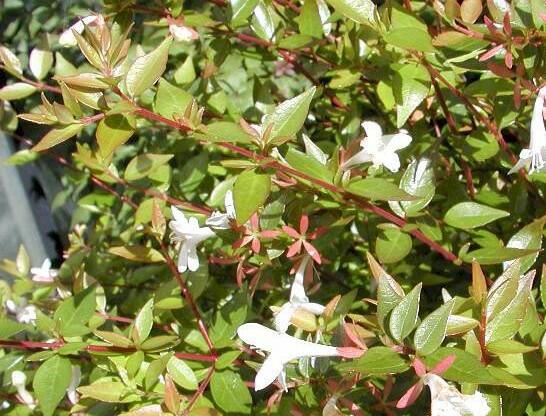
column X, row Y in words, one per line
column 285, row 207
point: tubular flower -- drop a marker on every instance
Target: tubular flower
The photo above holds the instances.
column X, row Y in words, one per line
column 220, row 220
column 378, row 148
column 26, row 314
column 282, row 349
column 189, row 234
column 67, row 38
column 535, row 155
column 44, row 273
column 298, row 300
column 446, row 400
column 19, row 380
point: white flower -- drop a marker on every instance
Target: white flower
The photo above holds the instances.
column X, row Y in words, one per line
column 378, row 148
column 324, row 14
column 446, row 400
column 220, row 220
column 535, row 155
column 23, row 313
column 182, row 33
column 19, row 379
column 282, row 349
column 67, row 38
column 190, row 235
column 330, row 408
column 44, row 273
column 71, row 392
column 298, row 300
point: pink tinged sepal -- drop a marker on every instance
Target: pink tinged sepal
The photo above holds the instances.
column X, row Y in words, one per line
column 443, row 365
column 350, row 352
column 410, row 396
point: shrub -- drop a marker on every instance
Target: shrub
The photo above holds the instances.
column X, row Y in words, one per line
column 283, row 207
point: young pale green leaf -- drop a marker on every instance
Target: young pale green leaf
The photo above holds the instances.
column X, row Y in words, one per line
column 404, row 316
column 289, row 116
column 361, row 11
column 530, row 238
column 392, row 245
column 22, row 157
column 431, row 332
column 50, row 383
column 230, row 393
column 543, row 286
column 10, row 61
column 378, row 189
column 417, row 180
column 263, row 21
column 182, row 374
column 113, row 131
column 376, row 361
column 74, row 312
column 114, row 338
column 16, row 91
column 503, row 290
column 145, row 164
column 389, row 295
column 309, row 165
column 241, row 10
column 468, row 215
column 57, row 136
column 147, row 69
column 411, row 85
column 186, row 73
column 250, row 191
column 40, row 62
column 170, row 100
column 137, row 253
column 144, row 321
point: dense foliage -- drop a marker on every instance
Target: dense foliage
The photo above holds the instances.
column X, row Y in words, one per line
column 337, row 171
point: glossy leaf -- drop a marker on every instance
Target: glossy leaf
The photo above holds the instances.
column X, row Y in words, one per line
column 50, row 383
column 404, row 315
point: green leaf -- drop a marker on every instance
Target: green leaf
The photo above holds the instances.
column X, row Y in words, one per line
column 138, row 253
column 22, row 157
column 114, row 338
column 143, row 165
column 170, row 100
column 16, row 91
column 186, row 73
column 104, row 391
column 411, row 84
column 378, row 189
column 113, row 131
column 417, row 180
column 250, row 191
column 230, row 393
column 147, row 69
column 508, row 346
column 73, row 313
column 389, row 295
column 392, row 244
column 309, row 22
column 309, row 165
column 468, row 215
column 404, row 316
column 225, row 131
column 376, row 361
column 496, row 255
column 503, row 290
column 410, row 38
column 241, row 10
column 466, row 367
column 50, row 383
column 57, row 136
column 289, row 116
column 228, row 319
column 144, row 321
column 459, row 324
column 9, row 328
column 361, row 11
column 530, row 238
column 40, row 62
column 431, row 332
column 182, row 374
column 263, row 21
column 506, row 323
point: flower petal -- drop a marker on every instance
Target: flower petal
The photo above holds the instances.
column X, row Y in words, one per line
column 268, row 372
column 372, row 129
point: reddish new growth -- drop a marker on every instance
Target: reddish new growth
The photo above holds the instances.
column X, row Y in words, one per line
column 302, row 239
column 252, row 234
